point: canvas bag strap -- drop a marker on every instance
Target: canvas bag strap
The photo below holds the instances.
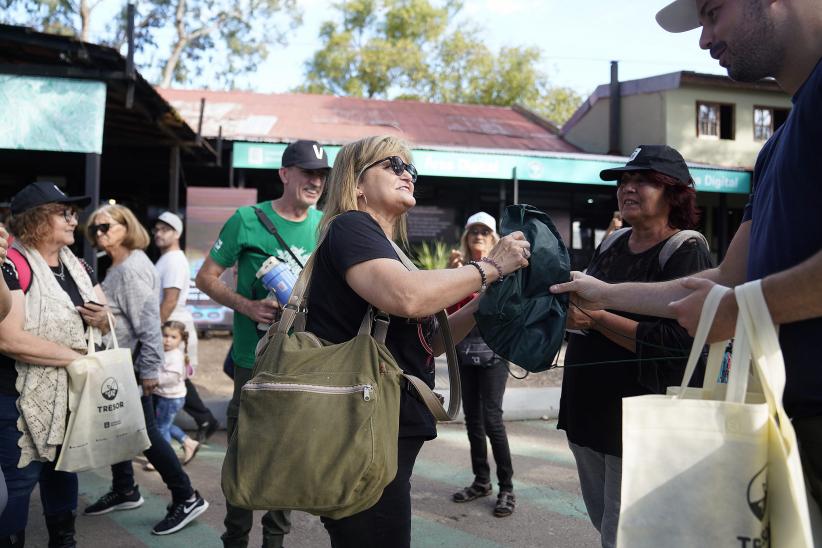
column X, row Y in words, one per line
column 113, row 335
column 763, row 343
column 706, row 320
column 266, row 222
column 454, row 391
column 294, row 311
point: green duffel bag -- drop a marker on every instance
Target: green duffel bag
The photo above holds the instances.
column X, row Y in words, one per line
column 318, row 422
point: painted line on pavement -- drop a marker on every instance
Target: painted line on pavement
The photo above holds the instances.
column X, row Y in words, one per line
column 139, row 521
column 554, row 500
column 429, row 533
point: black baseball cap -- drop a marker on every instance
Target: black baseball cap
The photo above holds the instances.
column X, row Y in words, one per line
column 40, row 193
column 659, row 158
column 305, row 154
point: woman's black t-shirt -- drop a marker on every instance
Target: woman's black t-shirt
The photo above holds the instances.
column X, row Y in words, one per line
column 8, row 372
column 591, row 403
column 336, row 311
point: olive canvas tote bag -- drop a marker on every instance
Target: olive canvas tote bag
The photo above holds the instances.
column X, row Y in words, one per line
column 318, row 423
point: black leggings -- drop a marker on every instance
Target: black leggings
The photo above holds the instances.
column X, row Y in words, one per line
column 387, row 523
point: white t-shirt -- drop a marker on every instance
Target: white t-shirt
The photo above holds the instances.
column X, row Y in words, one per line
column 172, row 268
column 172, row 376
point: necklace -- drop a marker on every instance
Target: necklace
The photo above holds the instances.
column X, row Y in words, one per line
column 62, row 273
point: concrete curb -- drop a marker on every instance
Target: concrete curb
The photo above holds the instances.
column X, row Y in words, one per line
column 518, row 404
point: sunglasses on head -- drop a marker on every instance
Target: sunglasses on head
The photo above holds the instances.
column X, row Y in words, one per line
column 397, row 165
column 101, row 228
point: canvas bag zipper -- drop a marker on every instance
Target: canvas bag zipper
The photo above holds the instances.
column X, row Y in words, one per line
column 366, row 389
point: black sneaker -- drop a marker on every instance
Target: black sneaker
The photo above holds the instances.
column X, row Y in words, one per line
column 113, row 500
column 205, row 430
column 180, row 514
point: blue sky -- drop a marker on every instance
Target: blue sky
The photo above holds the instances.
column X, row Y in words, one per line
column 578, row 40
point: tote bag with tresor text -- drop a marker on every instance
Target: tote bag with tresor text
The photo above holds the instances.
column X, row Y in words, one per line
column 106, row 423
column 716, row 466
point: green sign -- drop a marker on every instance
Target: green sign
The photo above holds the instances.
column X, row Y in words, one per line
column 576, row 169
column 57, row 114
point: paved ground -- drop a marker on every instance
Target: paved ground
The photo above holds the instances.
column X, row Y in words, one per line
column 550, row 511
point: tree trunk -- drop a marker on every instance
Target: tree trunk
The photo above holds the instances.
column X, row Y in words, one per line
column 179, row 45
column 85, row 20
column 171, row 64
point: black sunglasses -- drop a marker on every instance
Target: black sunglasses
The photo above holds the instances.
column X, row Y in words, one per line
column 397, row 166
column 102, row 228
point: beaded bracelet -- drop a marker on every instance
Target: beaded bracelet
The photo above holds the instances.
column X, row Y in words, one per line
column 484, row 279
column 495, row 264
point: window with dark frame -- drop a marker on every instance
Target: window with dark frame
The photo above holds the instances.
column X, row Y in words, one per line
column 714, row 120
column 767, row 120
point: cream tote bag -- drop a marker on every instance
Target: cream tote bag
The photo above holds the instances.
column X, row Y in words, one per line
column 106, row 423
column 718, row 465
column 788, row 503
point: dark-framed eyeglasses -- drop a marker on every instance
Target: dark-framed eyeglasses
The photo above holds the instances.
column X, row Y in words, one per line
column 321, row 174
column 397, row 165
column 102, row 228
column 70, row 214
column 479, row 231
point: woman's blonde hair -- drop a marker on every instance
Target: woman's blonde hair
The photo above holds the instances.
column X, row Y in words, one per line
column 466, row 253
column 341, row 193
column 136, row 234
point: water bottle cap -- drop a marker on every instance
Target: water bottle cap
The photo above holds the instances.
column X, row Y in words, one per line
column 266, row 267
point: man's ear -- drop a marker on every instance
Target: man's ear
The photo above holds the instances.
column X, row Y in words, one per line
column 283, row 173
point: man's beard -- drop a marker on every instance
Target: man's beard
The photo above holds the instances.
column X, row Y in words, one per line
column 756, row 53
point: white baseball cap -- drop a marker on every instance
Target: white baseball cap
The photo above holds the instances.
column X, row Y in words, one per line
column 482, row 218
column 679, row 16
column 173, row 221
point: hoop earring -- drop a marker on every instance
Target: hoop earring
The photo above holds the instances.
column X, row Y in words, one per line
column 364, row 199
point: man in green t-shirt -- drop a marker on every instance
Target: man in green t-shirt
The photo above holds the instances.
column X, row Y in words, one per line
column 246, row 242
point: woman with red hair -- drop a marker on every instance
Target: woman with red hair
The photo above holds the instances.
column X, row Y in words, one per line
column 656, row 197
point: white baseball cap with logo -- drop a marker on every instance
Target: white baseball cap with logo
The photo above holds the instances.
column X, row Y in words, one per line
column 172, row 220
column 482, row 218
column 679, row 16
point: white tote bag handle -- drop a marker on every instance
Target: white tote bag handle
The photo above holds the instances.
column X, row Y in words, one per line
column 792, row 513
column 706, row 320
column 763, row 342
column 90, row 335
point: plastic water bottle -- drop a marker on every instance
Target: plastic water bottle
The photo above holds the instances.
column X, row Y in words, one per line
column 279, row 280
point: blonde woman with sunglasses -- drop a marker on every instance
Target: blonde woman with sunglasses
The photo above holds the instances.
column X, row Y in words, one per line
column 370, row 191
column 133, row 288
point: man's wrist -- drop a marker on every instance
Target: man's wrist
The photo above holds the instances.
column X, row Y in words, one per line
column 597, row 317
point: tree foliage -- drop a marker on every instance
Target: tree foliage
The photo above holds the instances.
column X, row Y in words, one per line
column 211, row 39
column 406, row 49
column 66, row 17
column 183, row 41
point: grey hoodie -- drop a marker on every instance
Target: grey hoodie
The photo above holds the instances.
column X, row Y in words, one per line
column 133, row 292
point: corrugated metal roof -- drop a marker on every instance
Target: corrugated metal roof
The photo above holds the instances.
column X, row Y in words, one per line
column 248, row 116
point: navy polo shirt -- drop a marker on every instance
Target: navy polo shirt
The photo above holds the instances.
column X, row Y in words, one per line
column 786, row 229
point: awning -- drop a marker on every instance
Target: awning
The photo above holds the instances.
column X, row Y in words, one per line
column 56, row 114
column 531, row 166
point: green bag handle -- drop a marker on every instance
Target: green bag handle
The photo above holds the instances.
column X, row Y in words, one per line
column 294, row 315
